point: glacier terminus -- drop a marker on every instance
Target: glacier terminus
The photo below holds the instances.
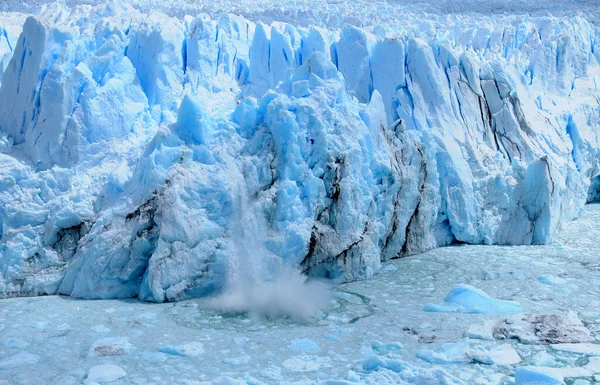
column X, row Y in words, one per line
column 134, row 145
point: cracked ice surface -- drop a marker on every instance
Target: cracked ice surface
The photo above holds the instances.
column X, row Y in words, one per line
column 159, row 156
column 372, row 332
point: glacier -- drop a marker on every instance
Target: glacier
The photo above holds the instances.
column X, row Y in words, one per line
column 165, row 156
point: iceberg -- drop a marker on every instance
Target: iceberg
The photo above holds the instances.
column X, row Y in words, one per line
column 166, row 157
column 469, row 299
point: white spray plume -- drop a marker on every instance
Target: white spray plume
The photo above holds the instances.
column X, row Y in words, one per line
column 289, row 294
column 259, row 282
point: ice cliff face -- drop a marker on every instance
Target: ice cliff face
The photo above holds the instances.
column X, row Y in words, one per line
column 151, row 156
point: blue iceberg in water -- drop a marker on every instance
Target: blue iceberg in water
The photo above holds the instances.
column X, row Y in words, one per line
column 469, row 299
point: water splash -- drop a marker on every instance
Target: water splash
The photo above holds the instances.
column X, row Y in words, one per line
column 288, row 294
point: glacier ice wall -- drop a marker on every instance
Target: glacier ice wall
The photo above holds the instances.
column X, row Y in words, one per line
column 135, row 147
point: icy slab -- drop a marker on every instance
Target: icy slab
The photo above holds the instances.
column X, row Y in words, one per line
column 589, row 370
column 304, row 345
column 111, row 346
column 534, row 329
column 469, row 299
column 588, row 349
column 450, row 353
column 462, row 352
column 484, row 331
column 544, row 329
column 386, row 348
column 543, row 358
column 526, row 376
column 190, row 349
column 101, row 374
column 498, row 355
column 390, row 370
column 551, row 280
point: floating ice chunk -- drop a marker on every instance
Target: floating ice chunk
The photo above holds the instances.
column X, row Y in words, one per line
column 191, row 349
column 272, row 372
column 305, row 363
column 544, row 329
column 18, row 360
column 353, row 376
column 111, row 346
column 593, row 365
column 406, row 373
column 104, row 373
column 100, row 329
column 241, row 341
column 551, row 280
column 484, row 331
column 39, row 325
column 544, row 359
column 14, row 343
column 462, row 352
column 559, row 374
column 331, row 337
column 304, row 345
column 468, row 299
column 383, row 349
column 390, row 267
column 498, row 355
column 450, row 353
column 529, row 376
column 588, row 349
column 236, row 361
column 376, row 363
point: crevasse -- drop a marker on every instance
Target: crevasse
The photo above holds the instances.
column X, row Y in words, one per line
column 125, row 139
